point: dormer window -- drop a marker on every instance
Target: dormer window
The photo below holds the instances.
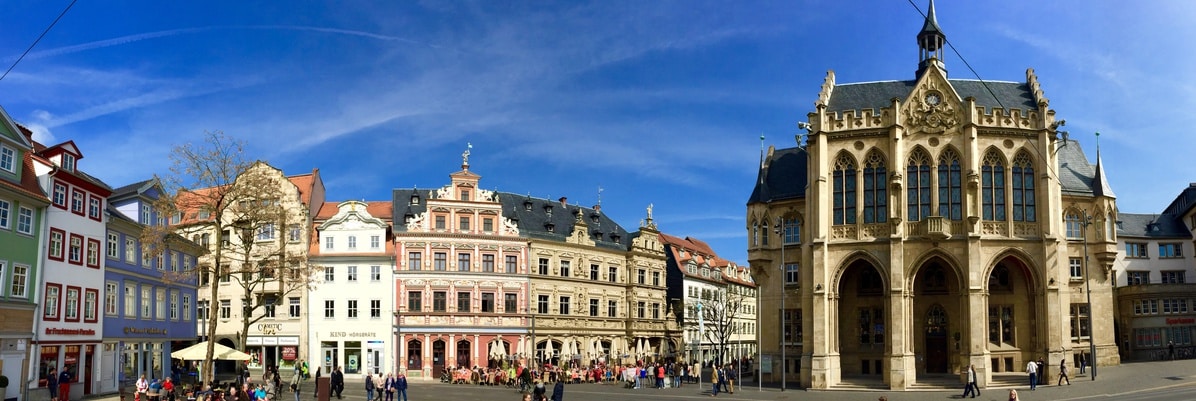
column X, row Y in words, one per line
column 614, row 238
column 594, row 218
column 550, row 227
column 464, row 194
column 408, row 217
column 548, row 210
column 414, row 199
column 527, row 205
column 68, row 162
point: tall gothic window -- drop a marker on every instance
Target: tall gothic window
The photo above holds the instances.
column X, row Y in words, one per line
column 917, row 187
column 992, row 178
column 844, row 200
column 950, row 196
column 875, row 189
column 1023, row 187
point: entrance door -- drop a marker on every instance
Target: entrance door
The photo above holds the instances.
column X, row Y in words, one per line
column 375, row 358
column 936, row 340
column 87, row 379
column 330, row 358
column 463, row 354
column 437, row 358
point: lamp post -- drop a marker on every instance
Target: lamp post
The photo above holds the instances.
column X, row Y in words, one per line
column 780, row 230
column 1087, row 221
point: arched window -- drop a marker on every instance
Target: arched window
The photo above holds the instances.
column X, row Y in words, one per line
column 992, row 181
column 1110, row 228
column 950, row 196
column 415, row 352
column 755, row 234
column 1074, row 224
column 843, row 196
column 917, row 186
column 1023, row 187
column 876, row 193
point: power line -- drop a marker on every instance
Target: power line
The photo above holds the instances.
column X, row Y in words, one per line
column 39, row 39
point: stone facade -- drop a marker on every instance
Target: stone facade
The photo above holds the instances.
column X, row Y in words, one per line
column 931, row 219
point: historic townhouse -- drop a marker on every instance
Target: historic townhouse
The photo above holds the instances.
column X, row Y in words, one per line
column 461, row 278
column 279, row 294
column 485, row 278
column 68, row 328
column 598, row 292
column 353, row 303
column 923, row 221
column 148, row 297
column 22, row 211
column 1156, row 309
column 719, row 302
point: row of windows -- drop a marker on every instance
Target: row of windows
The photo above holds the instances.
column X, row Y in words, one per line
column 81, row 202
column 224, row 308
column 351, row 242
column 24, row 218
column 1169, row 250
column 351, row 273
column 351, row 310
column 1140, row 277
column 465, row 300
column 145, row 301
column 1160, row 337
column 415, row 261
column 70, row 303
column 1169, row 306
column 463, row 223
column 167, row 260
column 71, row 248
column 18, row 284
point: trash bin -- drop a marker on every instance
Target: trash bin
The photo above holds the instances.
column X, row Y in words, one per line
column 323, row 388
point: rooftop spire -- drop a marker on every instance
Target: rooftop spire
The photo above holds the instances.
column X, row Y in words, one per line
column 1100, row 186
column 930, row 43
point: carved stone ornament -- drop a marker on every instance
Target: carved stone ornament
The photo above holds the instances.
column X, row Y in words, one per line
column 930, row 112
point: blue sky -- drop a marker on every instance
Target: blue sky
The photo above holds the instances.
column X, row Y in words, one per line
column 659, row 102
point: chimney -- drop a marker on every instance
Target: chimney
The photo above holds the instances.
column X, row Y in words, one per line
column 564, row 201
column 598, row 208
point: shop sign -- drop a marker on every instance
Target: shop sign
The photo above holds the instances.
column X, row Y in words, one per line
column 253, row 341
column 146, row 330
column 1171, row 321
column 270, row 341
column 70, row 332
column 288, row 340
column 288, row 353
column 336, row 334
column 269, row 328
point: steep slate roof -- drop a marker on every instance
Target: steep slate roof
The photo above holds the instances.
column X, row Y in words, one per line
column 878, row 95
column 532, row 223
column 783, row 176
column 1151, row 225
column 1076, row 175
column 700, row 252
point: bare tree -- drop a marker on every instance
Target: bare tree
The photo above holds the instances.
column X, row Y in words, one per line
column 237, row 210
column 721, row 312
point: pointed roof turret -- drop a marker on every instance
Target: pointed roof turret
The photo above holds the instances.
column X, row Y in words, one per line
column 930, row 43
column 1100, row 187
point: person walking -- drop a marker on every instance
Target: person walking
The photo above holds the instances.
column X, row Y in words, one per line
column 316, row 394
column 1083, row 363
column 1171, row 350
column 731, row 373
column 558, row 391
column 1063, row 373
column 52, row 383
column 388, row 386
column 64, row 385
column 369, row 387
column 338, row 381
column 970, row 386
column 714, row 382
column 295, row 380
column 1032, row 369
column 401, row 386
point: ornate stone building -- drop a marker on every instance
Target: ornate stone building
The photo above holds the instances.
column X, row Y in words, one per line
column 485, row 277
column 923, row 221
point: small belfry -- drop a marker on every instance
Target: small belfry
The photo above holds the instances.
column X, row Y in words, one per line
column 930, row 43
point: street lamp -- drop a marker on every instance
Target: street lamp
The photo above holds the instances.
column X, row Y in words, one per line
column 780, row 230
column 1086, row 220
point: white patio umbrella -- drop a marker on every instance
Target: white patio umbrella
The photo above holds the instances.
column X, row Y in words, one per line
column 598, row 347
column 639, row 347
column 548, row 348
column 520, row 348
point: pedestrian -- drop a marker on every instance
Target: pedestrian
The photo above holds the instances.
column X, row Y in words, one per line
column 714, row 382
column 1032, row 370
column 558, row 391
column 731, row 373
column 659, row 376
column 369, row 387
column 1012, row 395
column 316, row 394
column 1063, row 373
column 337, row 381
column 64, row 385
column 52, row 383
column 1171, row 349
column 295, row 380
column 970, row 386
column 401, row 386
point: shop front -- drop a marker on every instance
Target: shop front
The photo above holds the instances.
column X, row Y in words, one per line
column 354, row 352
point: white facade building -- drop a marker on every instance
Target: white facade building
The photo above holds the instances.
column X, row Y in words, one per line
column 351, row 308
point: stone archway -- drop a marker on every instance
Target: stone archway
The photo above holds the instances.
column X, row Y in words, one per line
column 1011, row 318
column 936, row 324
column 862, row 320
